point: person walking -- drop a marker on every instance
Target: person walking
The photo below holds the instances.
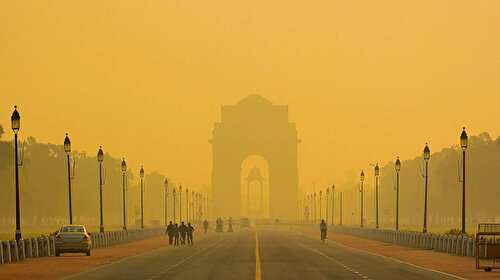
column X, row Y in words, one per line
column 190, row 230
column 230, row 223
column 170, row 233
column 176, row 235
column 183, row 231
column 205, row 226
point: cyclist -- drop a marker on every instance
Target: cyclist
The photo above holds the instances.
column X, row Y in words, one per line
column 323, row 229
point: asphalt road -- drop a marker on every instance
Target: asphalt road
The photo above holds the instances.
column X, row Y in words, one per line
column 280, row 254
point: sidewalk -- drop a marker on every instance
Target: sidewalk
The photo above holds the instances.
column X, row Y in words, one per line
column 50, row 268
column 456, row 265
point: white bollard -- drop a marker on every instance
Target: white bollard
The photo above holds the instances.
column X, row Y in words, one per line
column 463, row 251
column 35, row 247
column 29, row 248
column 8, row 256
column 46, row 246
column 458, row 247
column 1, row 252
column 14, row 251
column 52, row 246
column 22, row 251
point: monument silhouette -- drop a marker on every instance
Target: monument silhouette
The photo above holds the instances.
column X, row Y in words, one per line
column 254, row 126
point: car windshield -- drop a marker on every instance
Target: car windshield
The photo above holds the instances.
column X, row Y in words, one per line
column 72, row 229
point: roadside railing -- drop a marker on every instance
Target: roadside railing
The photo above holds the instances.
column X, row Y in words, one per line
column 457, row 245
column 44, row 246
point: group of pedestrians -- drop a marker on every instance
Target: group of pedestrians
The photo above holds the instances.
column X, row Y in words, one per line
column 219, row 223
column 180, row 233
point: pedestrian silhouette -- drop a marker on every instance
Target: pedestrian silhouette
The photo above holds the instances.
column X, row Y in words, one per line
column 171, row 233
column 230, row 223
column 183, row 232
column 190, row 230
column 205, row 226
column 176, row 234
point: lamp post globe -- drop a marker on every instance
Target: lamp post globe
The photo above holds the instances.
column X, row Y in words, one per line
column 362, row 176
column 141, row 172
column 67, row 144
column 397, row 165
column 100, row 155
column 427, row 152
column 124, row 165
column 174, row 192
column 377, row 170
column 463, row 140
column 15, row 120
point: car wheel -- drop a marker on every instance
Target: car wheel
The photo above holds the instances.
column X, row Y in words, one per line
column 87, row 253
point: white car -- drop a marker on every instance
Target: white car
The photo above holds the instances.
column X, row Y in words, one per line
column 73, row 239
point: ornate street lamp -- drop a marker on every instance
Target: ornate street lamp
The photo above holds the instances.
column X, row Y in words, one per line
column 100, row 158
column 377, row 173
column 315, row 208
column 320, row 193
column 124, row 180
column 397, row 166
column 67, row 150
column 362, row 179
column 463, row 145
column 326, row 199
column 427, row 156
column 15, row 121
column 141, row 174
column 166, row 201
column 333, row 204
column 180, row 203
column 187, row 205
column 173, row 193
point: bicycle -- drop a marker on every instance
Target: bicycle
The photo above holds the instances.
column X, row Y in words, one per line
column 323, row 236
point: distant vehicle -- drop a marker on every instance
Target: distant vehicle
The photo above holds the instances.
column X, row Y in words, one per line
column 245, row 222
column 73, row 239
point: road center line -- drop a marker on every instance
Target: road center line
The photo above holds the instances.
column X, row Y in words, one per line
column 333, row 260
column 257, row 257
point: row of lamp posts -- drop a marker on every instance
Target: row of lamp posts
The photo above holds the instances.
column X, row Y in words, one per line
column 198, row 200
column 426, row 156
column 309, row 204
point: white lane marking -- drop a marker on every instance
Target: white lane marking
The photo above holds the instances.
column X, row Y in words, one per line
column 392, row 259
column 333, row 260
column 183, row 260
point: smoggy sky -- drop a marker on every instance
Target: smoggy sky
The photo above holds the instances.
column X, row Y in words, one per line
column 365, row 81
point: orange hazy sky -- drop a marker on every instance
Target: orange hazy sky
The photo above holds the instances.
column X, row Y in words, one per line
column 365, row 81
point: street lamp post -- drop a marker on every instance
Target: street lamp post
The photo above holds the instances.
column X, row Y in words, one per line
column 193, row 204
column 377, row 173
column 141, row 174
column 340, row 208
column 187, row 205
column 15, row 120
column 427, row 156
column 333, row 204
column 463, row 145
column 67, row 150
column 173, row 193
column 100, row 158
column 327, row 197
column 124, row 180
column 180, row 202
column 398, row 168
column 166, row 202
column 315, row 208
column 320, row 193
column 362, row 179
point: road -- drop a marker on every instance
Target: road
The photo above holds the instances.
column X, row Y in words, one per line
column 263, row 254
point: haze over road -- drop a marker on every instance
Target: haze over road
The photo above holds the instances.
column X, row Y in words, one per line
column 282, row 254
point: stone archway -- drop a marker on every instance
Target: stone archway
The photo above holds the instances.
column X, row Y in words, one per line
column 254, row 126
